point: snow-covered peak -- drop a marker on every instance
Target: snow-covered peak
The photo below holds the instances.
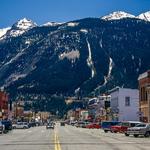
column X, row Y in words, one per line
column 3, row 31
column 24, row 24
column 118, row 15
column 52, row 24
column 20, row 27
column 144, row 16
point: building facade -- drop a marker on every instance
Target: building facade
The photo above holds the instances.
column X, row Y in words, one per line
column 3, row 105
column 144, row 96
column 98, row 106
column 124, row 104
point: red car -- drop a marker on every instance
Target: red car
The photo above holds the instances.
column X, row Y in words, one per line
column 123, row 126
column 93, row 126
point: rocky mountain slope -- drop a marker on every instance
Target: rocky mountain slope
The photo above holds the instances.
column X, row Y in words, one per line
column 78, row 57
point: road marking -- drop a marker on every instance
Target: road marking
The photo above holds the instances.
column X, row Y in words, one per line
column 57, row 143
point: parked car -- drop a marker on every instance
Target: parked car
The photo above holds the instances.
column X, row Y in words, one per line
column 140, row 129
column 93, row 126
column 50, row 125
column 2, row 128
column 81, row 124
column 7, row 124
column 123, row 126
column 106, row 125
column 84, row 124
column 20, row 125
column 62, row 123
column 32, row 124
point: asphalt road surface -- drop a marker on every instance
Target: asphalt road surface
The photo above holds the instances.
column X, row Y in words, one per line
column 70, row 138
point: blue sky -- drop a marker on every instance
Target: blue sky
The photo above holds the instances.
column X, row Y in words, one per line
column 42, row 11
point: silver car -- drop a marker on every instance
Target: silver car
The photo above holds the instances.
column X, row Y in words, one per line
column 20, row 125
column 140, row 129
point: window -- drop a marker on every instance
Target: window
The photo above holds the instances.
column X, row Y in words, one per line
column 127, row 101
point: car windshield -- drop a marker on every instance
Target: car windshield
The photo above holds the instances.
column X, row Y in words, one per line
column 141, row 125
column 125, row 124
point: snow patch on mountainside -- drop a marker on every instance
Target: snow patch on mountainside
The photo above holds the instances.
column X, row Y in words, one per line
column 3, row 31
column 14, row 77
column 89, row 60
column 28, row 42
column 72, row 55
column 84, row 30
column 106, row 78
column 110, row 67
column 117, row 15
column 77, row 90
column 101, row 43
column 16, row 57
column 72, row 24
column 52, row 24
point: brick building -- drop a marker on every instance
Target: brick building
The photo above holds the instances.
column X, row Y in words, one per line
column 144, row 88
column 3, row 104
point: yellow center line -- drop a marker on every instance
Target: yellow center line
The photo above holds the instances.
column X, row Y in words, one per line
column 56, row 140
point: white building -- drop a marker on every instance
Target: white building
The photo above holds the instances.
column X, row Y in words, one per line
column 124, row 104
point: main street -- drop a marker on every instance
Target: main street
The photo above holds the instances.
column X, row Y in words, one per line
column 70, row 138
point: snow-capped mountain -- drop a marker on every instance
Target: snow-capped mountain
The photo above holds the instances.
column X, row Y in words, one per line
column 19, row 28
column 3, row 31
column 118, row 15
column 144, row 16
column 83, row 56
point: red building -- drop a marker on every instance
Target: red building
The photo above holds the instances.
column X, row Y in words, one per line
column 144, row 88
column 3, row 104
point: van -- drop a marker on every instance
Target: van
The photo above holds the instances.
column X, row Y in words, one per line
column 106, row 125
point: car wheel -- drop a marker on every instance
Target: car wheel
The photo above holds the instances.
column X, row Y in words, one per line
column 105, row 131
column 126, row 134
column 136, row 135
column 147, row 134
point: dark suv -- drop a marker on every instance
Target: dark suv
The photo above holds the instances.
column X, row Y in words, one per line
column 7, row 124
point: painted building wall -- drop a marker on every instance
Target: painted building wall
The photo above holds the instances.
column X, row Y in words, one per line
column 125, row 111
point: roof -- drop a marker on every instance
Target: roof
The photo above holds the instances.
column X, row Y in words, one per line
column 114, row 89
column 118, row 88
column 144, row 75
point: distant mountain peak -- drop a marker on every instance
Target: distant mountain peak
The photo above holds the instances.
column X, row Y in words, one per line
column 118, row 15
column 24, row 24
column 144, row 16
column 19, row 28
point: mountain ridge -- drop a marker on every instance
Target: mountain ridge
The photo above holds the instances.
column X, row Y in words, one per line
column 78, row 57
column 28, row 24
